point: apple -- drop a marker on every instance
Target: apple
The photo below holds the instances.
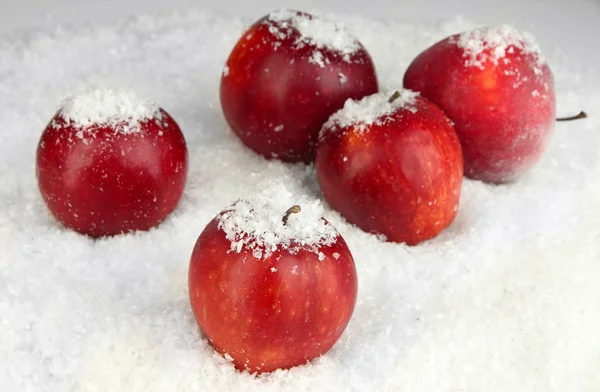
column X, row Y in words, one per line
column 272, row 287
column 111, row 162
column 391, row 165
column 496, row 87
column 287, row 74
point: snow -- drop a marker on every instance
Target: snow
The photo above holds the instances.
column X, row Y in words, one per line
column 505, row 299
column 315, row 31
column 119, row 108
column 317, row 58
column 493, row 43
column 373, row 109
column 255, row 222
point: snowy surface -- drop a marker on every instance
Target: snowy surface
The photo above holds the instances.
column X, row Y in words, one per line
column 506, row 299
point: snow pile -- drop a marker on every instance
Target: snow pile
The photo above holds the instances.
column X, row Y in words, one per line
column 374, row 109
column 314, row 31
column 506, row 299
column 492, row 43
column 256, row 222
column 118, row 108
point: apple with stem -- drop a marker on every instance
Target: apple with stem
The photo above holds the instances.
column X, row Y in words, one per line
column 392, row 166
column 497, row 88
column 272, row 287
column 287, row 74
column 111, row 162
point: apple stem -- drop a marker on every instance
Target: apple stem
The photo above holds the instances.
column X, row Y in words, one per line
column 394, row 96
column 292, row 210
column 581, row 115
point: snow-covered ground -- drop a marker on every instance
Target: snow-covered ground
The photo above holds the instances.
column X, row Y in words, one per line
column 506, row 299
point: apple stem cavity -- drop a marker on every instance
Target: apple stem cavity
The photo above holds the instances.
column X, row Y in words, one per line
column 292, row 210
column 394, row 96
column 581, row 115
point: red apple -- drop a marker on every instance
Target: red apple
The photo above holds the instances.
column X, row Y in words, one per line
column 498, row 90
column 110, row 162
column 286, row 75
column 392, row 166
column 271, row 293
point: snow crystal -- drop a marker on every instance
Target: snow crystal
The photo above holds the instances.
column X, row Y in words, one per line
column 505, row 299
column 317, row 58
column 314, row 31
column 256, row 222
column 492, row 43
column 373, row 109
column 118, row 108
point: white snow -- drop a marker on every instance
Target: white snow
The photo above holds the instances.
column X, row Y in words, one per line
column 373, row 109
column 506, row 299
column 315, row 31
column 255, row 222
column 115, row 107
column 317, row 58
column 492, row 43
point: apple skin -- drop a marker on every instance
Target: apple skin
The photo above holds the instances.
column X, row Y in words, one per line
column 503, row 130
column 111, row 183
column 276, row 101
column 270, row 319
column 401, row 178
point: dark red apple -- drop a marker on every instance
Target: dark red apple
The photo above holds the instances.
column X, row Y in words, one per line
column 286, row 75
column 110, row 162
column 496, row 87
column 392, row 166
column 271, row 293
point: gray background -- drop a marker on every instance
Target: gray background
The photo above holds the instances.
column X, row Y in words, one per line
column 573, row 26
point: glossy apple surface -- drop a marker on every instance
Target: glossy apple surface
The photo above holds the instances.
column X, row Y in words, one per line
column 281, row 83
column 271, row 313
column 498, row 91
column 399, row 176
column 111, row 182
